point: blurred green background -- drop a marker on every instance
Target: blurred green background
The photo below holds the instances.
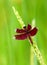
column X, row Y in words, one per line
column 15, row 52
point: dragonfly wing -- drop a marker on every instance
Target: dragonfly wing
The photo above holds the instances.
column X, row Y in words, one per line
column 29, row 27
column 33, row 31
column 20, row 31
column 21, row 36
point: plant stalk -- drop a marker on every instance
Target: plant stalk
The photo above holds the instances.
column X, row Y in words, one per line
column 34, row 45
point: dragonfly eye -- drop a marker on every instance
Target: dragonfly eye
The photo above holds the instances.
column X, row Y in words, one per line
column 24, row 27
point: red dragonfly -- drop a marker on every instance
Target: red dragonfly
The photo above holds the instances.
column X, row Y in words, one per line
column 25, row 33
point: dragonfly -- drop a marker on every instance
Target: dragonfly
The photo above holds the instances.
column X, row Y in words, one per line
column 26, row 32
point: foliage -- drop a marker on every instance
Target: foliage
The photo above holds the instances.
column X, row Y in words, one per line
column 13, row 52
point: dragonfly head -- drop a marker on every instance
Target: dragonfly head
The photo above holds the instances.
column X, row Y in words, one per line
column 24, row 27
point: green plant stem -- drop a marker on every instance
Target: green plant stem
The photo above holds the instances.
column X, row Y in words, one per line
column 31, row 56
column 34, row 45
column 18, row 17
column 38, row 53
